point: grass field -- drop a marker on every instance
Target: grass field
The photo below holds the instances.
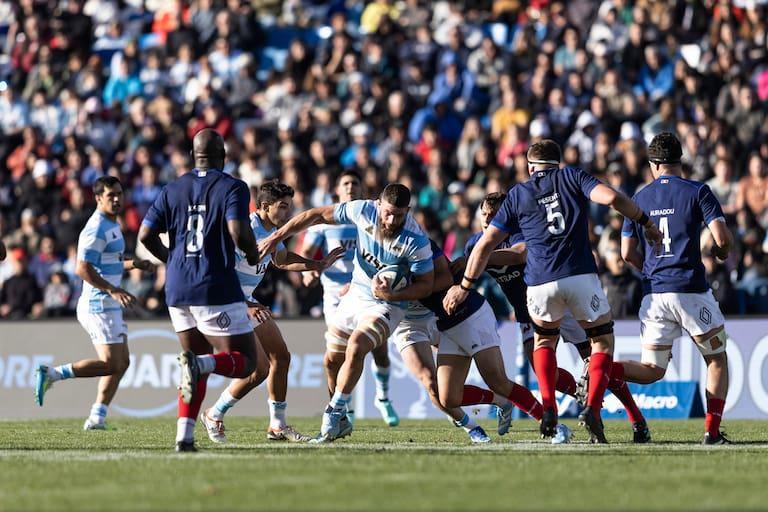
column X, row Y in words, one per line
column 421, row 465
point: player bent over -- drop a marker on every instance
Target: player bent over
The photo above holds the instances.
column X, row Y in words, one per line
column 550, row 210
column 677, row 295
column 275, row 202
column 322, row 239
column 205, row 213
column 100, row 264
column 387, row 235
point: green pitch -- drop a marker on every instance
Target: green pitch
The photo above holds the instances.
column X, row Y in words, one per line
column 421, row 465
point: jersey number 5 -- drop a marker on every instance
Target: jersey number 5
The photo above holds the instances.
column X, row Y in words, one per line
column 666, row 239
column 194, row 237
column 555, row 218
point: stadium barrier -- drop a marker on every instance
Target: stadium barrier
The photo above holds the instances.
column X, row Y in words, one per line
column 149, row 386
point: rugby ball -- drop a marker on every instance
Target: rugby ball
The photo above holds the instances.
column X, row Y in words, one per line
column 395, row 276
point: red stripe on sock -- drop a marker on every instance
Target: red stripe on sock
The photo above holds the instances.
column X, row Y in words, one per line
column 230, row 364
column 525, row 401
column 599, row 369
column 715, row 407
column 565, row 382
column 474, row 395
column 192, row 409
column 545, row 365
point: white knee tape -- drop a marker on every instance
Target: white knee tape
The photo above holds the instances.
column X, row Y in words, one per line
column 335, row 343
column 658, row 358
column 714, row 345
column 375, row 331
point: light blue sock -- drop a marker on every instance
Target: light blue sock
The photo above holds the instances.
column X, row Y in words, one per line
column 98, row 412
column 339, row 401
column 466, row 423
column 222, row 405
column 62, row 372
column 381, row 373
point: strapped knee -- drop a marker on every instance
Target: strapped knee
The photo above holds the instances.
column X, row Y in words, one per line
column 600, row 330
column 545, row 331
column 375, row 331
column 714, row 345
column 335, row 343
column 659, row 356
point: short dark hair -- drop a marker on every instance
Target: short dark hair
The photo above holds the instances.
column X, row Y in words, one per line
column 348, row 172
column 544, row 151
column 494, row 200
column 397, row 195
column 104, row 182
column 665, row 148
column 273, row 191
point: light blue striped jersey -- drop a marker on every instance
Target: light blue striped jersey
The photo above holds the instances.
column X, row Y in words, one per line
column 410, row 248
column 101, row 244
column 328, row 237
column 250, row 276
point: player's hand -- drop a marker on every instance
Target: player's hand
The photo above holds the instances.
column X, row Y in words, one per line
column 122, row 297
column 145, row 265
column 653, row 235
column 455, row 296
column 332, row 257
column 259, row 311
column 310, row 278
column 268, row 245
column 380, row 288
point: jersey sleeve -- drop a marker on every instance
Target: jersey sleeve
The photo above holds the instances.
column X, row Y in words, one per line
column 90, row 245
column 155, row 217
column 238, row 201
column 506, row 218
column 585, row 181
column 420, row 257
column 350, row 212
column 710, row 206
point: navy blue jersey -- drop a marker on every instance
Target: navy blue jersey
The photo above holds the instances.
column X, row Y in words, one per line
column 678, row 207
column 551, row 211
column 194, row 211
column 509, row 277
column 434, row 302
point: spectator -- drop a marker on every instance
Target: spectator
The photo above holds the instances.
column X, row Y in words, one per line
column 20, row 296
column 656, row 76
column 753, row 190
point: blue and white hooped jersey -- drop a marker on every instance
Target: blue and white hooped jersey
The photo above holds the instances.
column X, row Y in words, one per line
column 250, row 276
column 101, row 244
column 680, row 208
column 329, row 237
column 410, row 248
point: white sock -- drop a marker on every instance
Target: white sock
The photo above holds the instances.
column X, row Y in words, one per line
column 62, row 372
column 206, row 363
column 185, row 430
column 277, row 414
column 98, row 413
column 466, row 423
column 339, row 401
column 222, row 405
column 381, row 374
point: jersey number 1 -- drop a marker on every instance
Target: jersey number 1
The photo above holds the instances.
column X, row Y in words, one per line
column 555, row 218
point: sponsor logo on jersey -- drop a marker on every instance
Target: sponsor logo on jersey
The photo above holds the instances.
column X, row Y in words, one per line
column 371, row 259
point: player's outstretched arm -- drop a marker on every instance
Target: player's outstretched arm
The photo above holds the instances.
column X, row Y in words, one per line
column 631, row 253
column 514, row 255
column 241, row 232
column 722, row 237
column 607, row 196
column 151, row 239
column 287, row 260
column 476, row 264
column 90, row 275
column 321, row 215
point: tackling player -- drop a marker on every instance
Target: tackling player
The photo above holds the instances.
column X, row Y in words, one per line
column 550, row 210
column 677, row 295
column 335, row 281
column 100, row 264
column 387, row 234
column 205, row 213
column 275, row 202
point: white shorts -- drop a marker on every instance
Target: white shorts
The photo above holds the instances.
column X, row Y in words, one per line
column 570, row 331
column 356, row 306
column 331, row 301
column 663, row 316
column 582, row 295
column 105, row 328
column 476, row 333
column 412, row 331
column 224, row 320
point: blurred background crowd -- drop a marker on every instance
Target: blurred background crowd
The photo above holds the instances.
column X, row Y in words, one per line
column 442, row 96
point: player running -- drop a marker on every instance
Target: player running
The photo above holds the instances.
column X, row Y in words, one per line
column 322, row 239
column 205, row 213
column 550, row 210
column 100, row 264
column 275, row 202
column 677, row 295
column 387, row 234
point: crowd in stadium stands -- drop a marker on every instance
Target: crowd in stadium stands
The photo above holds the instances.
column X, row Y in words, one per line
column 442, row 96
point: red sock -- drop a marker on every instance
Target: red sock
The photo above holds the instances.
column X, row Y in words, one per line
column 192, row 409
column 619, row 388
column 715, row 408
column 599, row 368
column 525, row 401
column 545, row 366
column 230, row 364
column 565, row 382
column 475, row 395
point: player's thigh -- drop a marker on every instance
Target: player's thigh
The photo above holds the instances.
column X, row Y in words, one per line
column 104, row 328
column 341, row 324
column 452, row 371
column 195, row 341
column 659, row 328
column 699, row 315
column 420, row 362
column 114, row 354
column 271, row 339
column 413, row 331
column 546, row 302
column 571, row 331
column 377, row 321
column 585, row 298
column 490, row 364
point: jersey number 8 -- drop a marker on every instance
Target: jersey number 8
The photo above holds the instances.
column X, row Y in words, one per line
column 555, row 219
column 194, row 237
